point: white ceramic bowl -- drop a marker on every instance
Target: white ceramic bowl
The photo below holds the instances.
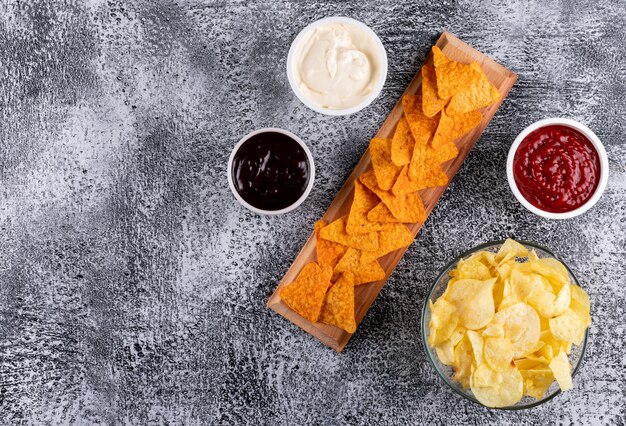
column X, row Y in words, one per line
column 382, row 76
column 247, row 205
column 604, row 167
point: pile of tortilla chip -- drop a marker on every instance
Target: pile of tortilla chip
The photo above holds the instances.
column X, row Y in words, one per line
column 386, row 197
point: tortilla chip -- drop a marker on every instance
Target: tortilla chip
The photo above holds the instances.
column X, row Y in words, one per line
column 424, row 169
column 439, row 59
column 402, row 143
column 422, row 127
column 431, row 102
column 452, row 76
column 336, row 231
column 338, row 307
column 480, row 94
column 306, row 294
column 403, row 184
column 396, row 237
column 451, row 128
column 364, row 272
column 386, row 171
column 381, row 213
column 328, row 252
column 407, row 208
column 445, row 152
column 364, row 200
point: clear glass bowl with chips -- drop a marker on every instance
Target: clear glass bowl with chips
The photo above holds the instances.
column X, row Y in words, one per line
column 446, row 372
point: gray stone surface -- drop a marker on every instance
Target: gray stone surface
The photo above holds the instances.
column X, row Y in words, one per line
column 133, row 287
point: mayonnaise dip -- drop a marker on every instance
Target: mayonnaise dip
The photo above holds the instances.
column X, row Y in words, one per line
column 336, row 65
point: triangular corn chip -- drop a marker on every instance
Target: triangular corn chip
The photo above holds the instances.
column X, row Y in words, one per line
column 424, row 169
column 328, row 252
column 480, row 94
column 451, row 128
column 336, row 231
column 364, row 272
column 452, row 76
column 381, row 213
column 364, row 200
column 338, row 307
column 431, row 102
column 402, row 143
column 391, row 239
column 306, row 294
column 386, row 171
column 407, row 208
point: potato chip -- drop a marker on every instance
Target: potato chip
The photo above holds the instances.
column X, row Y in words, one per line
column 477, row 345
column 521, row 327
column 445, row 352
column 471, row 268
column 306, row 294
column 363, row 201
column 457, row 334
column 407, row 209
column 450, row 128
column 542, row 301
column 394, row 237
column 338, row 306
column 537, row 381
column 328, row 252
column 364, row 272
column 539, row 315
column 381, row 213
column 498, row 352
column 579, row 303
column 493, row 330
column 421, row 126
column 442, row 322
column 553, row 270
column 510, row 250
column 431, row 102
column 402, row 143
column 521, row 285
column 473, row 300
column 385, row 170
column 528, row 364
column 463, row 361
column 497, row 388
column 424, row 168
column 336, row 231
column 453, row 76
column 568, row 327
column 479, row 94
column 562, row 371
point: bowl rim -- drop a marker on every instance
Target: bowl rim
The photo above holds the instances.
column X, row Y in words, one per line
column 247, row 205
column 379, row 84
column 595, row 141
column 430, row 355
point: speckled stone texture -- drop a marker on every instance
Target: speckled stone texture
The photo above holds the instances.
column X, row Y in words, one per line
column 133, row 287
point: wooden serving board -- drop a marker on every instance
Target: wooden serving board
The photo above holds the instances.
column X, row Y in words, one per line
column 365, row 294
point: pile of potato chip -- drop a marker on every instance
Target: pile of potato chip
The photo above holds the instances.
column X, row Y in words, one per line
column 386, row 197
column 506, row 324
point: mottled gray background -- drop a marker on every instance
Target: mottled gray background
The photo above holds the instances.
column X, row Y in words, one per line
column 133, row 287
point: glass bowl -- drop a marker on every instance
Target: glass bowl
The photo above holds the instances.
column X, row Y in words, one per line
column 445, row 372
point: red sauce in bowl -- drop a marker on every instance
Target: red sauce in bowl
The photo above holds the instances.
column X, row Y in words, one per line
column 556, row 168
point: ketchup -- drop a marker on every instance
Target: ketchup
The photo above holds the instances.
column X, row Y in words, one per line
column 556, row 168
column 271, row 171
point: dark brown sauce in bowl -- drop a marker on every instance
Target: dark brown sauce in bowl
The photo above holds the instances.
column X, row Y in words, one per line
column 271, row 171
